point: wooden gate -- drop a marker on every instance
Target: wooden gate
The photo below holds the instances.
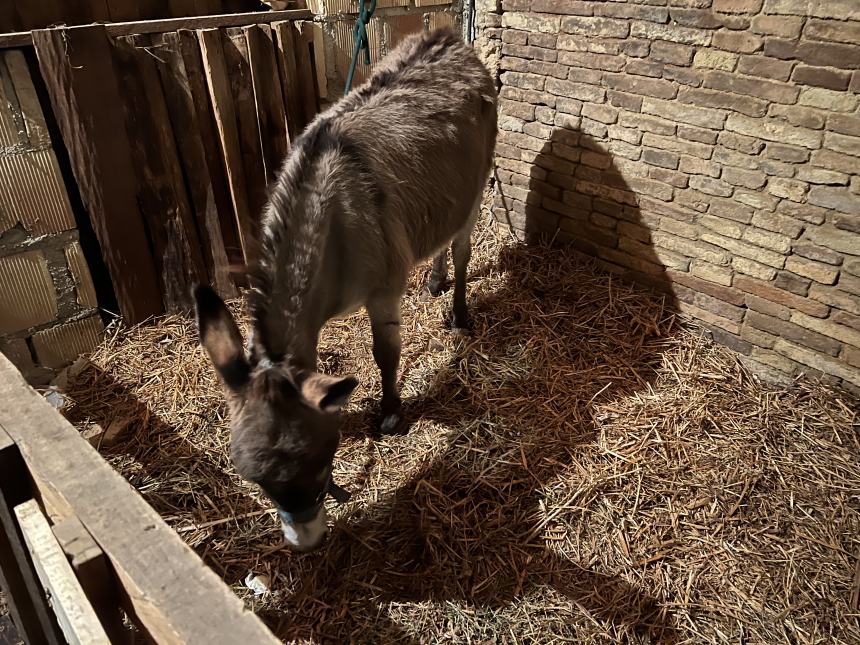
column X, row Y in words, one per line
column 174, row 129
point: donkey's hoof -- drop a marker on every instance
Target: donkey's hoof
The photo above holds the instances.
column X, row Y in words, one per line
column 393, row 424
column 436, row 288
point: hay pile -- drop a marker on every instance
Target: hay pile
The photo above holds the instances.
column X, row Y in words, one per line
column 582, row 468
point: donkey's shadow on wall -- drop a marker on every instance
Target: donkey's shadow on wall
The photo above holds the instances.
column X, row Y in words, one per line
column 467, row 530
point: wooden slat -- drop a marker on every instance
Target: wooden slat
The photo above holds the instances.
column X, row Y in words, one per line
column 93, row 571
column 221, row 97
column 268, row 98
column 161, row 192
column 306, row 71
column 23, row 38
column 286, row 39
column 173, row 594
column 239, row 71
column 76, row 616
column 177, row 57
column 27, row 602
column 81, row 81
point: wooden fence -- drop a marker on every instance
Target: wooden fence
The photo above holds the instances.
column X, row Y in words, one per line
column 174, row 128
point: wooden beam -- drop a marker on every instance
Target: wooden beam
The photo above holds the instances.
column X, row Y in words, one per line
column 305, row 66
column 173, row 594
column 27, row 602
column 77, row 67
column 24, row 38
column 76, row 616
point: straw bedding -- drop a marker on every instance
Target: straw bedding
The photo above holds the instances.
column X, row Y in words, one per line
column 583, row 467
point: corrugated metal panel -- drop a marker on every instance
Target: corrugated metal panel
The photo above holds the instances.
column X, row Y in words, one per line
column 398, row 27
column 344, row 43
column 81, row 273
column 9, row 135
column 351, row 6
column 32, row 192
column 27, row 295
column 442, row 19
column 59, row 346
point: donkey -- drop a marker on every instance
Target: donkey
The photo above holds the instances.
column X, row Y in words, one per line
column 390, row 175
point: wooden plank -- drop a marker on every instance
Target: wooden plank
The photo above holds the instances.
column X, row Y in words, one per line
column 27, row 602
column 175, row 596
column 94, row 573
column 23, row 38
column 177, row 57
column 161, row 193
column 268, row 98
column 221, row 97
column 76, row 616
column 286, row 39
column 305, row 66
column 81, row 82
column 239, row 71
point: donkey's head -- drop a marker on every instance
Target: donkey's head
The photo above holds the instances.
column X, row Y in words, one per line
column 284, row 425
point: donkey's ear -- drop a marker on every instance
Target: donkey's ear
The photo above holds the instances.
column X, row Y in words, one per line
column 328, row 393
column 220, row 337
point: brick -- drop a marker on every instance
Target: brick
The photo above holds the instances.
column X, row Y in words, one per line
column 593, row 26
column 671, row 177
column 772, row 130
column 660, row 158
column 523, row 81
column 722, row 226
column 833, row 30
column 753, row 268
column 767, row 90
column 544, row 23
column 776, row 168
column 821, row 176
column 798, row 116
column 743, row 249
column 747, row 178
column 720, row 292
column 509, row 63
column 711, row 272
column 741, row 143
column 628, row 10
column 682, row 75
column 784, row 26
column 842, row 143
column 847, row 222
column 757, row 337
column 691, row 248
column 26, row 291
column 821, row 77
column 685, row 35
column 59, row 346
column 850, row 283
column 756, row 199
column 844, row 124
column 782, row 152
column 851, row 355
column 703, row 315
column 677, row 145
column 737, row 6
column 692, row 198
column 827, row 328
column 705, row 302
column 696, row 18
column 743, row 43
column 715, row 59
column 711, row 186
column 776, row 223
column 790, row 331
column 839, row 9
column 545, row 115
column 768, row 240
column 625, row 101
column 545, row 41
column 673, row 53
column 765, row 67
column 835, row 297
column 575, row 90
column 696, row 166
column 681, row 229
column 849, row 320
column 835, row 198
column 813, row 53
column 638, row 85
column 527, row 96
column 644, row 68
column 834, row 161
column 721, row 100
column 787, row 188
column 792, row 282
column 767, row 307
column 852, row 267
column 570, row 7
column 589, row 61
column 514, row 37
column 517, row 109
column 593, row 129
column 692, row 133
column 675, row 111
column 603, row 113
column 817, row 253
column 628, row 135
column 818, row 361
column 650, row 206
column 529, row 52
column 652, row 188
column 647, row 123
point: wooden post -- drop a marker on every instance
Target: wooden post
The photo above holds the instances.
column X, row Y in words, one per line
column 77, row 67
column 286, row 38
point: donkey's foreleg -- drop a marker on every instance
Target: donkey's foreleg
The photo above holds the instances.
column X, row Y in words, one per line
column 384, row 315
column 438, row 274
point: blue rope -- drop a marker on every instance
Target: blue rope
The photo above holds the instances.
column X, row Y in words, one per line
column 359, row 34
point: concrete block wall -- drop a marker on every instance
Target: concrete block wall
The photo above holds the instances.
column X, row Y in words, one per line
column 48, row 312
column 710, row 148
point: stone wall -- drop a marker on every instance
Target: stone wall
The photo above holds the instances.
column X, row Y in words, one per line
column 710, row 148
column 48, row 312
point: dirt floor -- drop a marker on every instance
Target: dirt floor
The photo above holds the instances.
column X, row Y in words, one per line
column 584, row 467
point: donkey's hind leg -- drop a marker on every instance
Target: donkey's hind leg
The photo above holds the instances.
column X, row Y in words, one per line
column 461, row 249
column 384, row 315
column 438, row 274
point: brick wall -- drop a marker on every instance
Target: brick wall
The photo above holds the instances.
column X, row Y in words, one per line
column 706, row 147
column 48, row 310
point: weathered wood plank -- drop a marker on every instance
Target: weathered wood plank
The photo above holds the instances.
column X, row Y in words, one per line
column 221, row 97
column 239, row 72
column 305, row 66
column 23, row 38
column 173, row 594
column 77, row 618
column 177, row 57
column 27, row 602
column 268, row 98
column 286, row 38
column 161, row 193
column 77, row 67
column 94, row 574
